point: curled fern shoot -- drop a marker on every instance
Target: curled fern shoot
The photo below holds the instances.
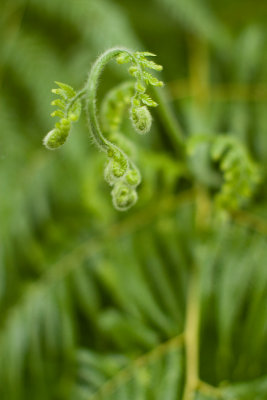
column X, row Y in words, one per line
column 68, row 112
column 120, row 172
column 241, row 174
column 140, row 115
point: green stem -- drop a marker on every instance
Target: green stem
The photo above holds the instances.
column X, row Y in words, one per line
column 91, row 90
column 169, row 122
column 192, row 336
column 75, row 98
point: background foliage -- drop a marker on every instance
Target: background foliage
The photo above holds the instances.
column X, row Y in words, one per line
column 97, row 304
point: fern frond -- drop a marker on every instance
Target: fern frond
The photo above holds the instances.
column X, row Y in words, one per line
column 132, row 379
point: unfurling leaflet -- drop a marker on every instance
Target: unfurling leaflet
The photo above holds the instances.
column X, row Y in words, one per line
column 120, row 172
column 68, row 111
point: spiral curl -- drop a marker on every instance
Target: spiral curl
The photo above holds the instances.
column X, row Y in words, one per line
column 241, row 174
column 139, row 113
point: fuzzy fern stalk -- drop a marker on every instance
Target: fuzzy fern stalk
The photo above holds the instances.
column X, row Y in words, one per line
column 120, row 173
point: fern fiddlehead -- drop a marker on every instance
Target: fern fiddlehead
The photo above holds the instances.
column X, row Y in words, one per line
column 241, row 174
column 120, row 172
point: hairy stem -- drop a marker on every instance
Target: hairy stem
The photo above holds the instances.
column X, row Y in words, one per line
column 91, row 90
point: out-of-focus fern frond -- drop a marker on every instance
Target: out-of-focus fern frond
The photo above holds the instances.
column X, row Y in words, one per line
column 158, row 374
column 138, row 316
column 240, row 173
column 197, row 18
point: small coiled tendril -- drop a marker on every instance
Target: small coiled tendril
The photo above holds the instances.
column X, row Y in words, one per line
column 139, row 113
column 240, row 173
column 69, row 111
column 113, row 109
column 120, row 172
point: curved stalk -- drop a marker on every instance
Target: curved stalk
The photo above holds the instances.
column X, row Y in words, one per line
column 91, row 90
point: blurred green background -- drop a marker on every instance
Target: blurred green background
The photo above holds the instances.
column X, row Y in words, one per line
column 93, row 302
